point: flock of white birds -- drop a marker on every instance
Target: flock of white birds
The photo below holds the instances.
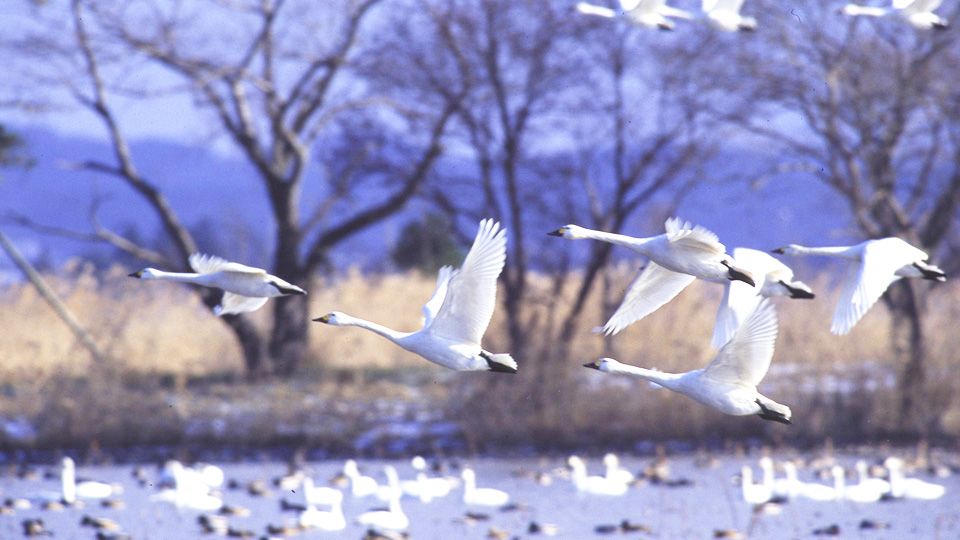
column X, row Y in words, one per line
column 725, row 14
column 459, row 311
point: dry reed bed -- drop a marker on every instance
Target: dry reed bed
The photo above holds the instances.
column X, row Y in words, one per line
column 160, row 330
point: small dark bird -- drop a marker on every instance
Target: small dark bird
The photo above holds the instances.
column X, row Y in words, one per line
column 830, row 530
column 103, row 524
column 35, row 527
column 871, row 525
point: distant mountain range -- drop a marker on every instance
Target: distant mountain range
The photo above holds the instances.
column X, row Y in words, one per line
column 223, row 202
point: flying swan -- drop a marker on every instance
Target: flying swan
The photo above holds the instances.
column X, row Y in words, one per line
column 725, row 15
column 729, row 382
column 740, row 300
column 457, row 314
column 683, row 253
column 649, row 13
column 919, row 13
column 878, row 264
column 245, row 288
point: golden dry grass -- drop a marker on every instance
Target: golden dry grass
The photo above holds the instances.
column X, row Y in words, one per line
column 160, row 330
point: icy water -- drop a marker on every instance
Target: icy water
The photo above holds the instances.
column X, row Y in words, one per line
column 712, row 502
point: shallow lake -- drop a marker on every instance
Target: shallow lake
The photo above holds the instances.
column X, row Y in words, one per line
column 712, row 502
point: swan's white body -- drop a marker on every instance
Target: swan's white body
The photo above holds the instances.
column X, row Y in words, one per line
column 919, row 13
column 425, row 488
column 458, row 313
column 725, row 15
column 877, row 264
column 474, row 496
column 189, row 491
column 360, row 485
column 677, row 257
column 319, row 495
column 331, row 520
column 740, row 299
column 910, row 488
column 245, row 288
column 614, row 472
column 649, row 13
column 392, row 519
column 753, row 493
column 594, row 485
column 877, row 484
column 807, row 490
column 71, row 490
column 729, row 382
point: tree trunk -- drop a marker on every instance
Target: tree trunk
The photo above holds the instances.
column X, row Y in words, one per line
column 908, row 346
column 251, row 345
column 288, row 340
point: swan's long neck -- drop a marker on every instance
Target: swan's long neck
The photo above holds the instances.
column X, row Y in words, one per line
column 867, row 11
column 388, row 333
column 845, row 252
column 667, row 380
column 614, row 238
column 180, row 277
column 68, row 485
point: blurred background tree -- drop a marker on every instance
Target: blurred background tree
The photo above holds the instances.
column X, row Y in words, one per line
column 427, row 244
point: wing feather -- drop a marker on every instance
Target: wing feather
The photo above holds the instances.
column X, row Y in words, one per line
column 867, row 281
column 432, row 307
column 745, row 359
column 739, row 302
column 232, row 304
column 683, row 235
column 654, row 287
column 472, row 290
column 208, row 264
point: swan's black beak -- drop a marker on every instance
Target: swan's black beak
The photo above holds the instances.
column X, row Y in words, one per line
column 325, row 319
column 558, row 232
column 778, row 251
column 592, row 365
column 136, row 274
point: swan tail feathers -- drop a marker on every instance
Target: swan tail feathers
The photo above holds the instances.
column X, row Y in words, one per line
column 930, row 271
column 501, row 363
column 773, row 411
column 735, row 273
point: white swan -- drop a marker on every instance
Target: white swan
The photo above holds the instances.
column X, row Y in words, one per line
column 807, row 490
column 740, row 300
column 466, row 298
column 245, row 288
column 360, row 485
column 649, row 13
column 474, row 496
column 71, row 490
column 677, row 257
column 878, row 264
column 729, row 382
column 332, row 520
column 593, row 485
column 753, row 493
column 919, row 13
column 425, row 488
column 189, row 490
column 858, row 493
column 392, row 519
column 910, row 488
column 319, row 495
column 878, row 484
column 614, row 472
column 725, row 15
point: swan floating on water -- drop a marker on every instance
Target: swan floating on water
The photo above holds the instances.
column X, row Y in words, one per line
column 877, row 264
column 649, row 13
column 245, row 288
column 614, row 472
column 677, row 257
column 729, row 382
column 474, row 496
column 84, row 489
column 458, row 313
column 392, row 519
column 331, row 520
column 593, row 485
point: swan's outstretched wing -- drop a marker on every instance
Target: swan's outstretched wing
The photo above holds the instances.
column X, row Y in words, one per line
column 731, row 6
column 208, row 264
column 683, row 235
column 926, row 6
column 232, row 304
column 599, row 11
column 630, row 5
column 708, row 5
column 745, row 358
column 472, row 290
column 908, row 5
column 739, row 302
column 761, row 263
column 867, row 281
column 654, row 287
column 432, row 307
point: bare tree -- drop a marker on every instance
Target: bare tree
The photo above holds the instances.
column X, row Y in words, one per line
column 865, row 108
column 277, row 77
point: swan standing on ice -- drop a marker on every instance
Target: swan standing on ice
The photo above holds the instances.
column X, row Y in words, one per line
column 458, row 313
column 71, row 490
column 878, row 264
column 677, row 257
column 649, row 13
column 740, row 300
column 919, row 13
column 474, row 496
column 725, row 15
column 729, row 382
column 245, row 288
column 593, row 485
